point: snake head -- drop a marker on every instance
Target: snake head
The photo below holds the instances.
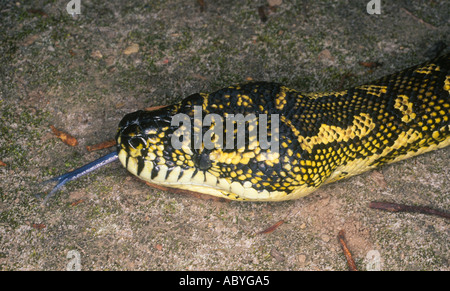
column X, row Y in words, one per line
column 142, row 138
column 145, row 146
column 137, row 130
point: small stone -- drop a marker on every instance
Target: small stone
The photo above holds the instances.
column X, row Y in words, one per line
column 325, row 55
column 276, row 255
column 301, row 259
column 325, row 238
column 132, row 49
column 29, row 40
column 96, row 54
column 274, row 2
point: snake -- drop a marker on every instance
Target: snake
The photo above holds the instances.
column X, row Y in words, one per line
column 199, row 144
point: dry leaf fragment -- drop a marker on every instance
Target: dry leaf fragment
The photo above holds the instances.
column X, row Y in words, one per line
column 2, row 164
column 371, row 64
column 350, row 262
column 395, row 207
column 75, row 203
column 65, row 137
column 271, row 228
column 103, row 145
column 37, row 11
column 120, row 105
column 38, row 225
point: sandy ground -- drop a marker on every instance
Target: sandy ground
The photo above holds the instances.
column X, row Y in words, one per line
column 82, row 73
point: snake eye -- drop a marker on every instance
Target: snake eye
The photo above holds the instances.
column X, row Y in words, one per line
column 135, row 141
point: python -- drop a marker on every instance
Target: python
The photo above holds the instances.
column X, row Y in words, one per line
column 323, row 136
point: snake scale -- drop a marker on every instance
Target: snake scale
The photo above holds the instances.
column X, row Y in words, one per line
column 321, row 137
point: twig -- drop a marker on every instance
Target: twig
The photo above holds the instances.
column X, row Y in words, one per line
column 350, row 262
column 418, row 19
column 65, row 137
column 271, row 228
column 102, row 145
column 75, row 203
column 38, row 225
column 394, row 207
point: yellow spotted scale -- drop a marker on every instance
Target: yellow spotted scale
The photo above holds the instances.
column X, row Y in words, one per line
column 322, row 137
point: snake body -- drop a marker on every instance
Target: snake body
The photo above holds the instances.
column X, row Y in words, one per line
column 322, row 138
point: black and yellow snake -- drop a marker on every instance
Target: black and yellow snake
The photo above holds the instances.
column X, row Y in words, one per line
column 322, row 137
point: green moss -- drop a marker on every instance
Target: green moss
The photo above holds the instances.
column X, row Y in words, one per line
column 21, row 131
